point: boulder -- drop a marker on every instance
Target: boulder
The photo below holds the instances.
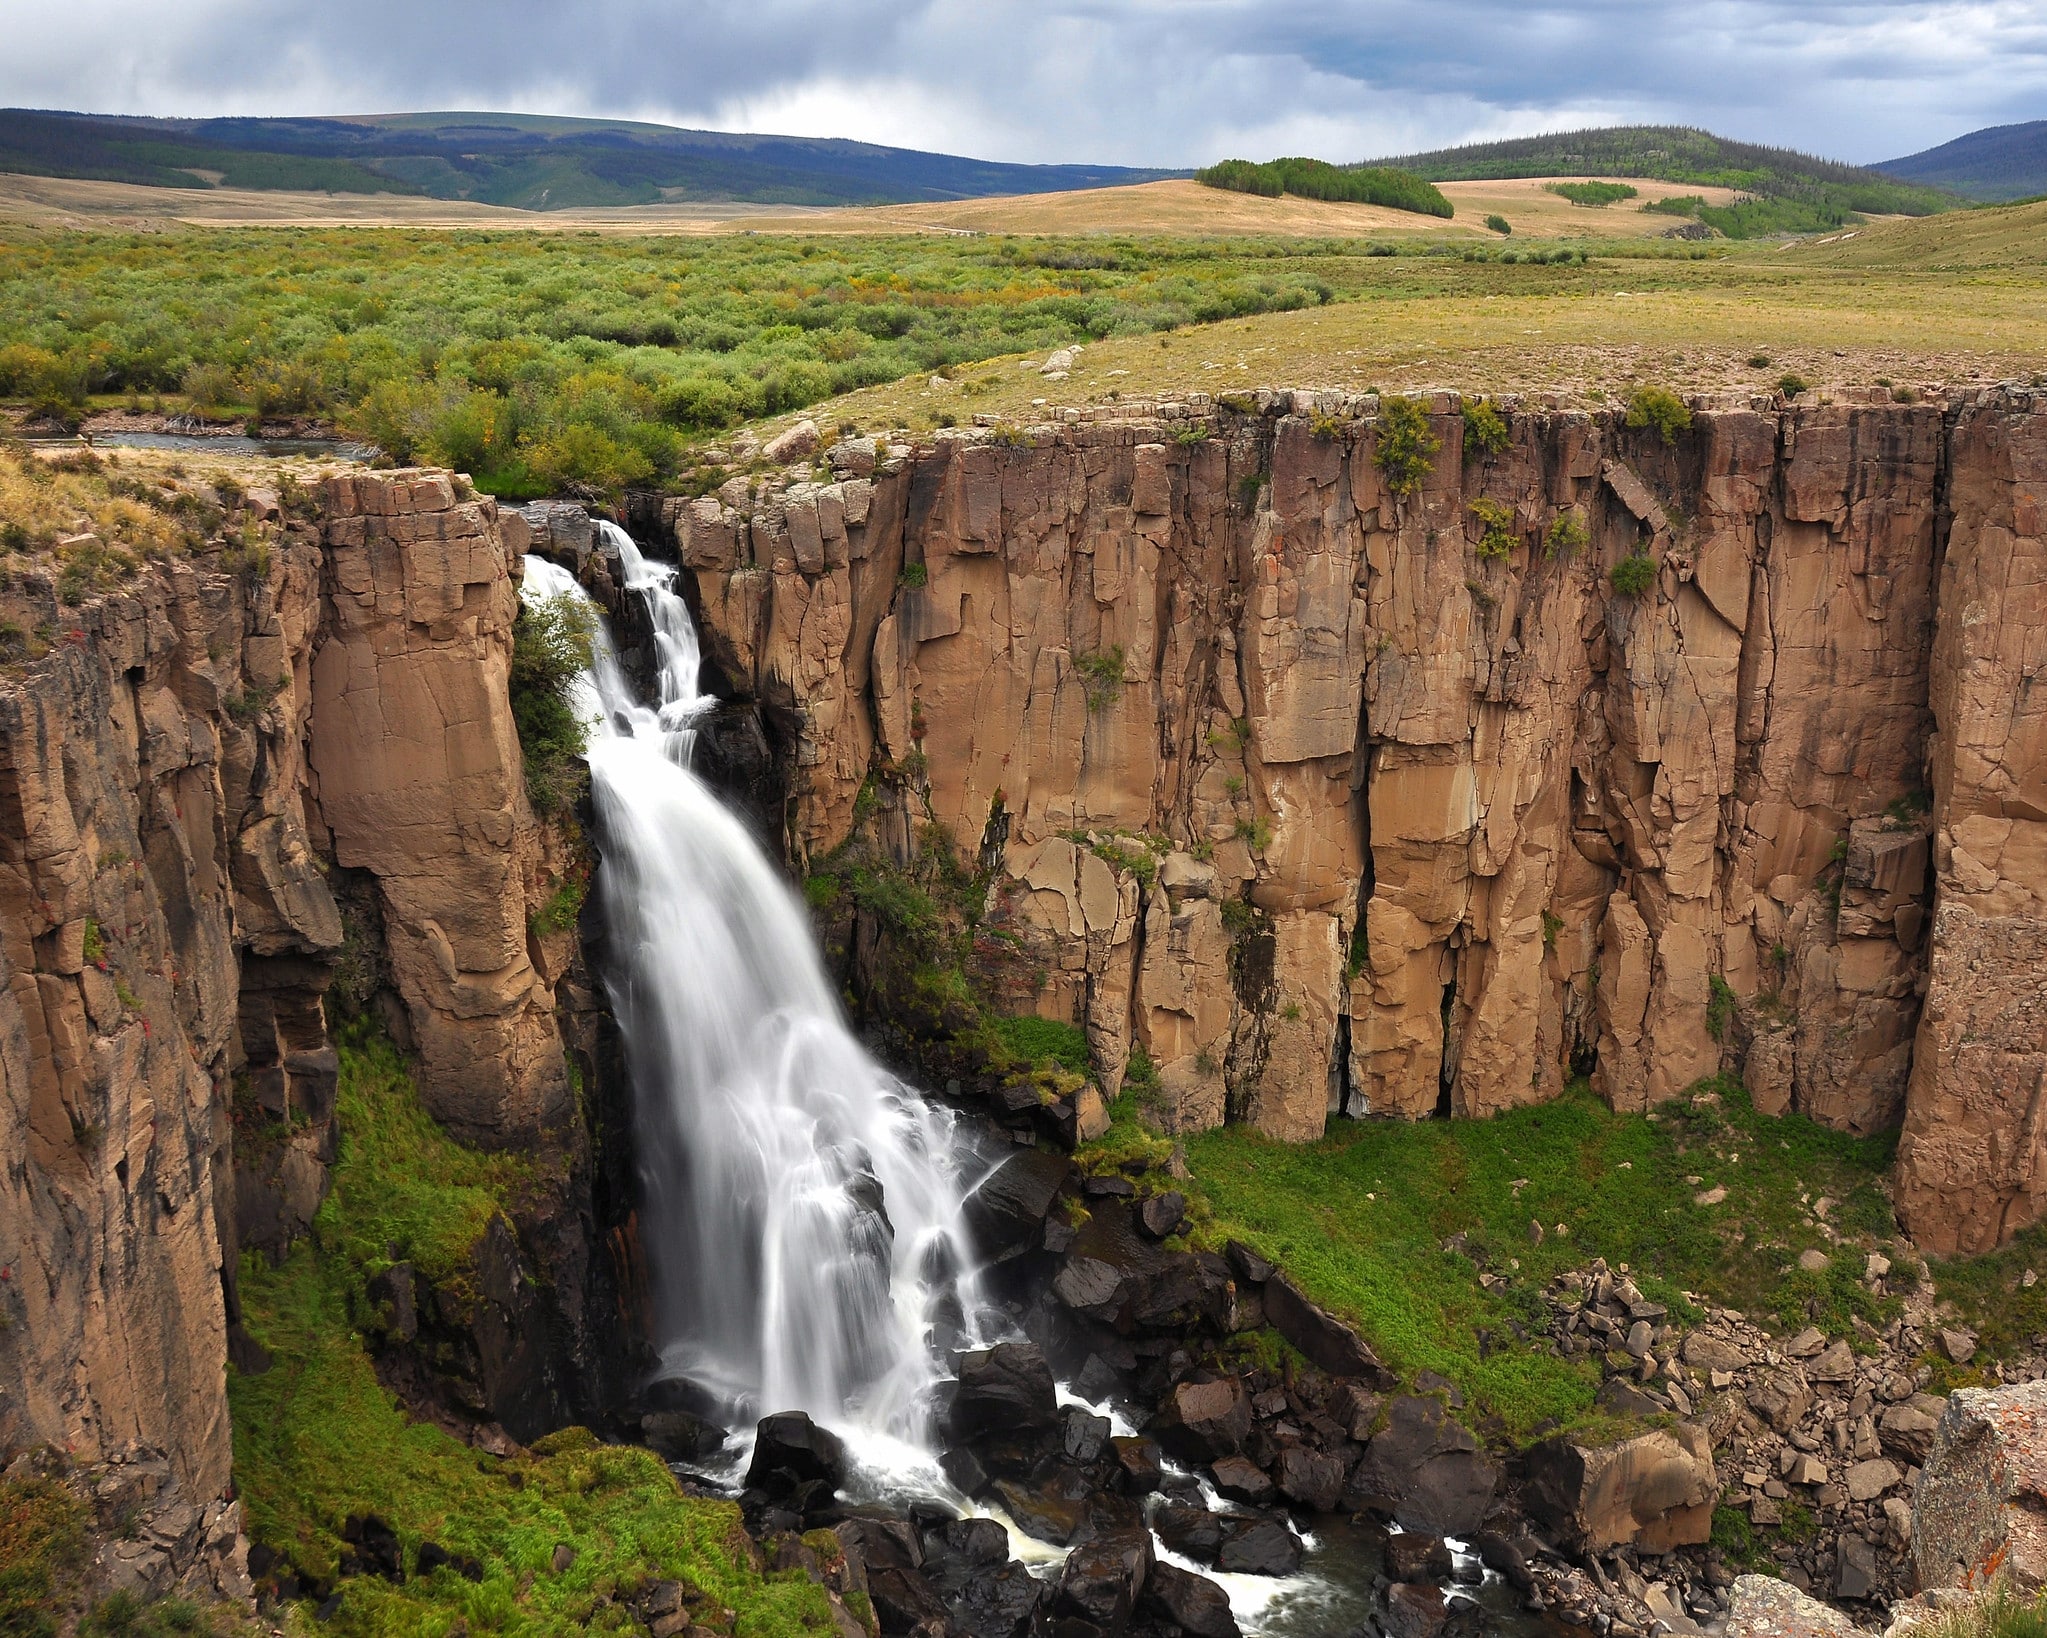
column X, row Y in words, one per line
column 1425, row 1470
column 796, row 443
column 905, row 1603
column 998, row 1602
column 1257, row 1546
column 1082, row 1435
column 1192, row 1603
column 1781, row 1398
column 1761, row 1606
column 1411, row 1556
column 1241, row 1479
column 1856, row 1573
column 1004, row 1390
column 1319, row 1334
column 1192, row 1532
column 1204, row 1421
column 1414, row 1611
column 1980, row 1515
column 790, row 1450
column 1138, row 1467
column 1162, row 1214
column 1309, row 1479
column 1103, row 1579
column 679, row 1436
column 1045, row 1512
column 1655, row 1491
column 1906, row 1433
column 1006, row 1214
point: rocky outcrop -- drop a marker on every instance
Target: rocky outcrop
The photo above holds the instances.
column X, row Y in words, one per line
column 1970, row 1167
column 419, row 782
column 1980, row 1516
column 1336, row 798
column 286, row 753
column 1656, row 1490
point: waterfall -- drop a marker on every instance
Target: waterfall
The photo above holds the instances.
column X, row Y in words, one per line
column 803, row 1206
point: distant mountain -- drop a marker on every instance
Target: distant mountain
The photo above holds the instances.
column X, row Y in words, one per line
column 1997, row 163
column 524, row 161
column 1784, row 191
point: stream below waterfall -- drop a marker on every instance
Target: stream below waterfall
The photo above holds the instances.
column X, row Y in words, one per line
column 803, row 1207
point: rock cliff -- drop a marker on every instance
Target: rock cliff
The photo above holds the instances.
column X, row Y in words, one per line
column 1337, row 794
column 287, row 752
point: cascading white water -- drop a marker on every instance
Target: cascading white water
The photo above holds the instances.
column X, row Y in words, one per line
column 803, row 1206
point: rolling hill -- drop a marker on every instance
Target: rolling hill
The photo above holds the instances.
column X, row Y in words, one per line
column 1997, row 163
column 523, row 161
column 1781, row 191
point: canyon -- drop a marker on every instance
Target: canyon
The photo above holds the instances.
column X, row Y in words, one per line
column 1337, row 799
column 1329, row 786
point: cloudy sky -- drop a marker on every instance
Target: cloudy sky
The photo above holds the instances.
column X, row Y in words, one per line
column 1143, row 82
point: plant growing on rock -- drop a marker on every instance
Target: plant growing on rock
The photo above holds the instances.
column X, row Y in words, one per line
column 1407, row 445
column 1721, row 1002
column 1101, row 675
column 1485, row 428
column 551, row 645
column 1497, row 539
column 1659, row 409
column 1566, row 534
column 1633, row 575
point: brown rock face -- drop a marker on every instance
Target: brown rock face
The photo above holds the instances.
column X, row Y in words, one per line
column 1452, row 816
column 1970, row 1168
column 176, row 778
column 420, row 782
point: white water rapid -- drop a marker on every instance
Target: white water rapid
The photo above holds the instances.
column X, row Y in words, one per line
column 803, row 1206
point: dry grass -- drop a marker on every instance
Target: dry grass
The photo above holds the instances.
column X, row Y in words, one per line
column 1878, row 310
column 1174, row 207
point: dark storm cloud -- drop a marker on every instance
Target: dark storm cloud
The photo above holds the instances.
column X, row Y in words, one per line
column 1141, row 81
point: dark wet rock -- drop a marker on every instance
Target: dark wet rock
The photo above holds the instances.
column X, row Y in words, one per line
column 964, row 1469
column 1241, row 1479
column 1193, row 1603
column 1083, row 1435
column 904, row 1602
column 881, row 1543
column 1250, row 1267
column 1007, row 1213
column 1319, row 1334
column 376, row 1548
column 1411, row 1556
column 1620, row 1397
column 1192, row 1532
column 1089, row 1286
column 1103, row 1579
column 1355, row 1410
column 978, row 1541
column 1309, row 1479
column 1202, row 1421
column 681, row 1436
column 1413, row 1611
column 1505, row 1559
column 1098, row 1380
column 1001, row 1602
column 1042, row 1511
column 1137, row 1464
column 1004, row 1389
column 1161, row 1215
column 790, row 1450
column 1257, row 1546
column 1111, row 1187
column 1425, row 1470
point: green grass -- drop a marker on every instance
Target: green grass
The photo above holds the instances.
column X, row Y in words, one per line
column 1359, row 1219
column 42, row 1542
column 317, row 1437
column 1037, row 1039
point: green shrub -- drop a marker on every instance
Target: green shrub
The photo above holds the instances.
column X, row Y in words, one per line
column 42, row 1540
column 1499, row 224
column 1596, row 194
column 1255, row 832
column 1566, row 535
column 1485, row 428
column 1101, row 675
column 1661, row 409
column 1407, row 445
column 552, row 643
column 1792, row 385
column 1497, row 539
column 1721, row 1004
column 915, row 577
column 1680, row 204
column 1633, row 575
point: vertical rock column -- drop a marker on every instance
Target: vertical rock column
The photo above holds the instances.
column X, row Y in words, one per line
column 1972, row 1164
column 419, row 780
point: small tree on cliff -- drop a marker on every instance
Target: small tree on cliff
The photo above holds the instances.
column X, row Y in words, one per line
column 1407, row 445
column 551, row 646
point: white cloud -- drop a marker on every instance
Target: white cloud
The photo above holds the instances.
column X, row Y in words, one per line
column 1162, row 82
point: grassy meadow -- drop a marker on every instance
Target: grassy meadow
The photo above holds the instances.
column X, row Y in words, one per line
column 549, row 362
